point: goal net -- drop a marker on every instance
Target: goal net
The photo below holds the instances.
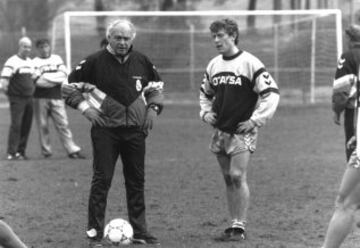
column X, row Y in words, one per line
column 299, row 48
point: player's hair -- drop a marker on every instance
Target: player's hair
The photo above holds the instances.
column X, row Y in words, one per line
column 41, row 42
column 117, row 22
column 229, row 25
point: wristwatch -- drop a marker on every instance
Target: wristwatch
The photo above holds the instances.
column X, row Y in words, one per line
column 155, row 108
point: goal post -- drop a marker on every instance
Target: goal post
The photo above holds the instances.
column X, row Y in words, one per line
column 299, row 47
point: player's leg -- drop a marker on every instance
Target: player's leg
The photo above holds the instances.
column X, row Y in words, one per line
column 238, row 173
column 234, row 169
column 347, row 203
column 41, row 114
column 349, row 129
column 105, row 151
column 8, row 239
column 60, row 118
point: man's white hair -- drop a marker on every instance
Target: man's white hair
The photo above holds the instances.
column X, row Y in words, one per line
column 24, row 40
column 121, row 22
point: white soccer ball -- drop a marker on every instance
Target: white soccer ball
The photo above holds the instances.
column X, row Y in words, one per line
column 119, row 231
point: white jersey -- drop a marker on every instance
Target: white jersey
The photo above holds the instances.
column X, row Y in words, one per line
column 19, row 72
column 53, row 70
column 238, row 88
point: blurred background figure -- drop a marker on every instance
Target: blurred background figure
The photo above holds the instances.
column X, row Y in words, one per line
column 16, row 81
column 48, row 103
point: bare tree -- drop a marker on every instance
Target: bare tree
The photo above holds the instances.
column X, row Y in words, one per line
column 277, row 6
column 251, row 18
column 100, row 20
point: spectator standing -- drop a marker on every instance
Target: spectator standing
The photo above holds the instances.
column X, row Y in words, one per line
column 48, row 103
column 128, row 77
column 16, row 81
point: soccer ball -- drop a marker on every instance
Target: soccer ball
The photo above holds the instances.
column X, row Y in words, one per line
column 119, row 231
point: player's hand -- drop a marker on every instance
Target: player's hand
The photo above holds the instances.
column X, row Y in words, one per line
column 149, row 119
column 94, row 116
column 245, row 126
column 3, row 89
column 351, row 144
column 210, row 118
column 337, row 118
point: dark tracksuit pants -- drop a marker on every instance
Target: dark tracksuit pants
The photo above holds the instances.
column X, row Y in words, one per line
column 349, row 129
column 21, row 114
column 108, row 144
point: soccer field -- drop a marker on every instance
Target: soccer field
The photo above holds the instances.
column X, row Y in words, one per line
column 293, row 177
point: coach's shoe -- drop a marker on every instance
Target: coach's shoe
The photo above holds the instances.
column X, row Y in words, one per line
column 232, row 234
column 95, row 244
column 94, row 238
column 76, row 155
column 145, row 238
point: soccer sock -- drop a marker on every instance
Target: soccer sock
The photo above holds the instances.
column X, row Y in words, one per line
column 238, row 224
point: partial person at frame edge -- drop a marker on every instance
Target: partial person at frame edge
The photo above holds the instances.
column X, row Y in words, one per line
column 8, row 238
column 343, row 100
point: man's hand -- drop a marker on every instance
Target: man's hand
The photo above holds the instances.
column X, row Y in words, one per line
column 149, row 119
column 94, row 116
column 336, row 118
column 245, row 126
column 351, row 144
column 4, row 84
column 210, row 118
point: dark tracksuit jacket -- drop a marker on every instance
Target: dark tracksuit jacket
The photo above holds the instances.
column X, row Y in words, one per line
column 135, row 85
column 348, row 65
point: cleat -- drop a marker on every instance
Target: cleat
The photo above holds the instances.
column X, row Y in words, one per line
column 232, row 234
column 76, row 155
column 144, row 239
column 92, row 233
column 47, row 155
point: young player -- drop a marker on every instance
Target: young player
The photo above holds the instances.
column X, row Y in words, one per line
column 237, row 96
column 348, row 198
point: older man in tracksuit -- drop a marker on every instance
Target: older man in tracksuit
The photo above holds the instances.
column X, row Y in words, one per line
column 130, row 96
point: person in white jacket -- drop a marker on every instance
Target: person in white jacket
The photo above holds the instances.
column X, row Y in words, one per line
column 237, row 96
